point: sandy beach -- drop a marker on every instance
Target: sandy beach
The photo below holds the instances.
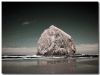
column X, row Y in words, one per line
column 51, row 66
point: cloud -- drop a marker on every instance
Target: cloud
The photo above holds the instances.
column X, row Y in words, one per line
column 19, row 51
column 88, row 48
column 25, row 23
column 81, row 48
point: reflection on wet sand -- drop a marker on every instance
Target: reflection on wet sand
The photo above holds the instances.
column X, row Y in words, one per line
column 56, row 61
column 51, row 66
column 67, row 65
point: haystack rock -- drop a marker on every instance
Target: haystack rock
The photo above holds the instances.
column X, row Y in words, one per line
column 55, row 42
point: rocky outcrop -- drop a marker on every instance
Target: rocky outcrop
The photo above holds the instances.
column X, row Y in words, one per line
column 54, row 41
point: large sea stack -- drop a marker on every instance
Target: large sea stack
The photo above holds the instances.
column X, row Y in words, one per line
column 55, row 42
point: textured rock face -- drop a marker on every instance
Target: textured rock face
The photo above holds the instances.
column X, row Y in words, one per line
column 54, row 41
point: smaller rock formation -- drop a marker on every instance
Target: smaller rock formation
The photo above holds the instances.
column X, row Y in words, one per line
column 54, row 41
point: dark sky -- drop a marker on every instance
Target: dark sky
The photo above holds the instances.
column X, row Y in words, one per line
column 23, row 23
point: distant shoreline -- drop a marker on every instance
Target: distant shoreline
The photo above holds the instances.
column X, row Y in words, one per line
column 37, row 56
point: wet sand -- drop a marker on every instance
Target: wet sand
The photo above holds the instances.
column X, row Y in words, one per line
column 51, row 66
